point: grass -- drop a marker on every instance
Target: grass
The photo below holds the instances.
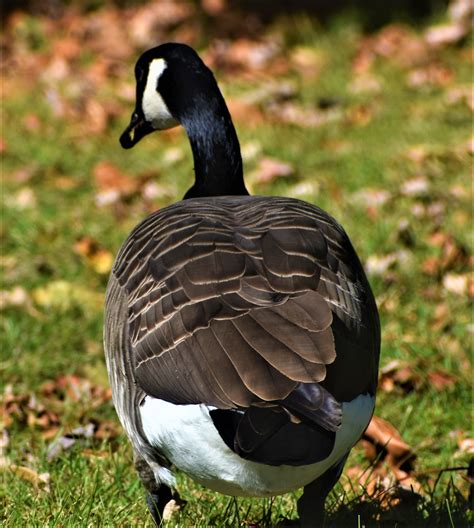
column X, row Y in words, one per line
column 94, row 483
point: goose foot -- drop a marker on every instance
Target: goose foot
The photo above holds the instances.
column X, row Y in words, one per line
column 157, row 500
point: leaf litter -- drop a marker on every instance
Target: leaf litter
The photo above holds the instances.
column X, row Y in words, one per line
column 72, row 83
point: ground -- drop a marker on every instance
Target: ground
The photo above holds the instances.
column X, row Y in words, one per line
column 373, row 127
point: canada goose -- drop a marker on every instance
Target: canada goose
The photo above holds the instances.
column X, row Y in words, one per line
column 241, row 335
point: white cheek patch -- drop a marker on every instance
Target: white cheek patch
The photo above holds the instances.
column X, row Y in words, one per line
column 154, row 108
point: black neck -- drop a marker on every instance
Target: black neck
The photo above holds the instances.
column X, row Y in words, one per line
column 216, row 149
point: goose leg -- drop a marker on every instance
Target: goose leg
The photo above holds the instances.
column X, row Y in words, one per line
column 157, row 500
column 157, row 495
column 311, row 504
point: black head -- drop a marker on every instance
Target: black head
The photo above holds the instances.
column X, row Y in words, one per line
column 169, row 78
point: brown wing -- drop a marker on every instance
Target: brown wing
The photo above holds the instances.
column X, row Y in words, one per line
column 231, row 300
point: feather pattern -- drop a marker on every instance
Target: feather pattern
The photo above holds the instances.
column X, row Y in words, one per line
column 231, row 301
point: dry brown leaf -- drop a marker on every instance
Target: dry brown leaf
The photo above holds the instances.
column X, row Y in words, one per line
column 17, row 297
column 25, row 198
column 381, row 265
column 172, row 507
column 112, row 183
column 385, row 436
column 440, row 380
column 442, row 318
column 466, row 445
column 394, row 42
column 108, row 177
column 372, row 197
column 98, row 258
column 418, row 186
column 244, row 111
column 31, row 122
column 445, row 34
column 147, row 23
column 359, row 115
column 39, row 480
column 400, row 374
column 295, row 114
column 433, row 75
column 269, row 169
column 248, row 54
column 461, row 94
column 93, row 453
column 457, row 283
column 214, row 7
column 245, row 55
column 107, row 429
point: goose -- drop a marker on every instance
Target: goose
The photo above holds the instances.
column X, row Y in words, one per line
column 241, row 334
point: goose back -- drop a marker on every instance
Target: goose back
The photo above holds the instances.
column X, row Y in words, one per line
column 232, row 302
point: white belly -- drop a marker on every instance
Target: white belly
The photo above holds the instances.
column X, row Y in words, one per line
column 186, row 435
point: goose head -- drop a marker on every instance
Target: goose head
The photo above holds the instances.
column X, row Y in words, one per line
column 171, row 79
column 175, row 87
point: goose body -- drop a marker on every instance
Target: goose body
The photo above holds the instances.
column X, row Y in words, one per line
column 241, row 334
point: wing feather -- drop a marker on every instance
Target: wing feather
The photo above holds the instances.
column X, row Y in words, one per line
column 231, row 300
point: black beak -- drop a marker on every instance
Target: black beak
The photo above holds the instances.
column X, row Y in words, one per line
column 137, row 129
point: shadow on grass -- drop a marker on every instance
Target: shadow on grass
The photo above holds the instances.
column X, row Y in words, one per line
column 399, row 507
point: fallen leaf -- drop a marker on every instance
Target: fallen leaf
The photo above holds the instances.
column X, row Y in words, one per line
column 244, row 111
column 457, row 283
column 307, row 188
column 214, row 7
column 385, row 437
column 400, row 374
column 32, row 123
column 445, row 34
column 395, row 42
column 461, row 94
column 24, row 199
column 93, row 453
column 434, row 75
column 452, row 254
column 269, row 169
column 379, row 265
column 467, row 446
column 39, row 480
column 251, row 150
column 295, row 114
column 372, row 197
column 112, row 183
column 440, row 380
column 98, row 258
column 415, row 187
column 149, row 20
column 173, row 507
column 4, row 443
column 58, row 447
column 245, row 54
column 16, row 297
column 359, row 115
column 107, row 429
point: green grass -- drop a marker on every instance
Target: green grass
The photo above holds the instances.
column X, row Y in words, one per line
column 44, row 339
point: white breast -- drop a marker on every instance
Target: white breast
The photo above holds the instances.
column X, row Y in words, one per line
column 186, row 435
